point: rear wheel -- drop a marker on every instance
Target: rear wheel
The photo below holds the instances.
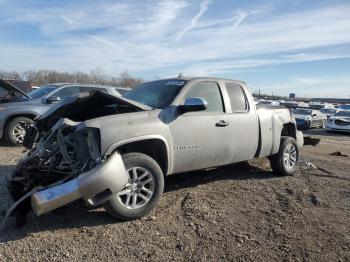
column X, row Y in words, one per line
column 16, row 130
column 284, row 162
column 143, row 190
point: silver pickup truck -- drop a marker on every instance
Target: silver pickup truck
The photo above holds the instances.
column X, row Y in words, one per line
column 116, row 151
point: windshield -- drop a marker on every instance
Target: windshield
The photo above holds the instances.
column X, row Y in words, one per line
column 42, row 91
column 156, row 94
column 328, row 111
column 343, row 113
column 302, row 112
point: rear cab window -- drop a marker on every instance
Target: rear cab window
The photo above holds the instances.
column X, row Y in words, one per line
column 238, row 98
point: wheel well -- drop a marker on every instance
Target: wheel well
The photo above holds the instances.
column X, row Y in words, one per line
column 289, row 129
column 154, row 148
column 8, row 120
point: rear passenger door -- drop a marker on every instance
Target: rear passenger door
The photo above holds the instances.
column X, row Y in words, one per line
column 244, row 124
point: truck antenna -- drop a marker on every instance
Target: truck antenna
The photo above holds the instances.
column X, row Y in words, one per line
column 180, row 75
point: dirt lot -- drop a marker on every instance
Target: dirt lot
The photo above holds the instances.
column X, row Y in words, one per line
column 239, row 212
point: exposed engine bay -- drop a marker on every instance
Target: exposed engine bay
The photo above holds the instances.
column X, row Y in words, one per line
column 65, row 155
column 66, row 151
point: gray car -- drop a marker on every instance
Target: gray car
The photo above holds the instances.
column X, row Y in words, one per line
column 18, row 109
column 309, row 118
column 118, row 154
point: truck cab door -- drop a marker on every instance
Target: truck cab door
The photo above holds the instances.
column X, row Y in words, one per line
column 201, row 139
column 244, row 128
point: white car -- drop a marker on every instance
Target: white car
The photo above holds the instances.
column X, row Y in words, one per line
column 268, row 103
column 329, row 112
column 339, row 122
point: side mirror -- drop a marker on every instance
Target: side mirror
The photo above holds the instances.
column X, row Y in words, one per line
column 193, row 104
column 52, row 99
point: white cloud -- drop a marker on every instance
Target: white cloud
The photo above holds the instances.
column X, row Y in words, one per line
column 145, row 37
column 311, row 86
column 194, row 21
column 239, row 19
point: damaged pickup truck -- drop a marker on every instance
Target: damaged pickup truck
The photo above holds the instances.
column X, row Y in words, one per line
column 115, row 151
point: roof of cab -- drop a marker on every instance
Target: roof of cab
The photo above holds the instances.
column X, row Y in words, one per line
column 207, row 79
column 89, row 85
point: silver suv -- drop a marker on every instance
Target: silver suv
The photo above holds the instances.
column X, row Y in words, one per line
column 18, row 109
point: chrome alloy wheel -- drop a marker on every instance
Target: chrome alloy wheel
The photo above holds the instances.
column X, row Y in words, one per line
column 139, row 190
column 19, row 131
column 290, row 156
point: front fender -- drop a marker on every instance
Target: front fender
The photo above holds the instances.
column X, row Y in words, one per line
column 114, row 146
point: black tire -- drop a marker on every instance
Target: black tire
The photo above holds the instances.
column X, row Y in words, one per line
column 114, row 206
column 10, row 138
column 277, row 161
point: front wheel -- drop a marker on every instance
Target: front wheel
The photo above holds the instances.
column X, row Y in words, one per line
column 15, row 130
column 284, row 162
column 144, row 189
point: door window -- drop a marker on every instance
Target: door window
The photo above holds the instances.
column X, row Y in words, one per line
column 91, row 88
column 66, row 92
column 210, row 92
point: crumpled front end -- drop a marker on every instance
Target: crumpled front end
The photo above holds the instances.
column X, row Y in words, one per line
column 95, row 186
column 64, row 165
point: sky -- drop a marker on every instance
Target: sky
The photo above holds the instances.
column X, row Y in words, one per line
column 277, row 46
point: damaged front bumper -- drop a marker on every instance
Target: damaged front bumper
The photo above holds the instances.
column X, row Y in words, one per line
column 62, row 166
column 96, row 187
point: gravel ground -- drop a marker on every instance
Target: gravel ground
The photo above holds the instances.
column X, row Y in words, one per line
column 238, row 212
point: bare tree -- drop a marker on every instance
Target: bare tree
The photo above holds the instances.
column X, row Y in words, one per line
column 96, row 76
column 126, row 80
column 10, row 75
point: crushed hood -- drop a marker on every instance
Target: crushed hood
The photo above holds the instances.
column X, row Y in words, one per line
column 76, row 107
column 5, row 85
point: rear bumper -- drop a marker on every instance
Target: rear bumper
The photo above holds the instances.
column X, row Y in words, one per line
column 95, row 186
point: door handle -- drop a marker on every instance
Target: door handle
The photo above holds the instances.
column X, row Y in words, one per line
column 222, row 123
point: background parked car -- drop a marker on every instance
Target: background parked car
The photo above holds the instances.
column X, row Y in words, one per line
column 309, row 118
column 268, row 103
column 339, row 122
column 344, row 107
column 25, row 86
column 18, row 110
column 329, row 111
